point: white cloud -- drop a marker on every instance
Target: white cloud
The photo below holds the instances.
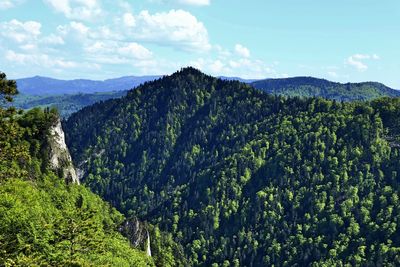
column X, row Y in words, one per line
column 217, row 66
column 226, row 63
column 28, row 47
column 242, row 51
column 177, row 28
column 244, row 68
column 376, row 57
column 82, row 33
column 129, row 20
column 76, row 31
column 357, row 61
column 222, row 52
column 20, row 32
column 333, row 74
column 123, row 42
column 124, row 5
column 38, row 59
column 135, row 50
column 77, row 9
column 53, row 39
column 6, row 4
column 195, row 2
column 79, row 27
column 113, row 52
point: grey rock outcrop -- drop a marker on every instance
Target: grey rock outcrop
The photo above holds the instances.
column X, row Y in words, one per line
column 59, row 157
column 137, row 234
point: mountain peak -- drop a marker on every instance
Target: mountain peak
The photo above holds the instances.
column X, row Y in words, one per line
column 190, row 71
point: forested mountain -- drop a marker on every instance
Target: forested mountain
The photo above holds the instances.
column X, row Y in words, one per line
column 66, row 104
column 46, row 217
column 73, row 95
column 48, row 86
column 245, row 178
column 311, row 87
column 36, row 90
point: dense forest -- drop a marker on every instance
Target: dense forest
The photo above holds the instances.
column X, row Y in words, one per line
column 313, row 87
column 244, row 178
column 45, row 221
column 67, row 104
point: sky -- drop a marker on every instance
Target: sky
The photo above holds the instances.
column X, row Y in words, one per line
column 340, row 40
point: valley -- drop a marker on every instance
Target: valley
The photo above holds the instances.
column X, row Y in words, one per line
column 199, row 133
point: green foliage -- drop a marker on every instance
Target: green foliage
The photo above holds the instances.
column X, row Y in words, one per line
column 43, row 221
column 52, row 224
column 8, row 88
column 243, row 178
column 165, row 251
column 23, row 143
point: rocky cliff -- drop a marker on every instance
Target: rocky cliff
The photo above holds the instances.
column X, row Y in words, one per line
column 59, row 156
column 137, row 234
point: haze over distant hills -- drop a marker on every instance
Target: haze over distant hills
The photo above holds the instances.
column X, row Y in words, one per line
column 39, row 85
column 296, row 86
column 48, row 86
column 310, row 87
column 70, row 96
column 238, row 79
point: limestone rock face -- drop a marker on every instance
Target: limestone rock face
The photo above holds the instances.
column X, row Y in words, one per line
column 137, row 234
column 59, row 157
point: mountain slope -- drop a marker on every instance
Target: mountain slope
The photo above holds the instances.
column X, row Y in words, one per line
column 244, row 178
column 45, row 221
column 66, row 104
column 70, row 101
column 48, row 86
column 309, row 87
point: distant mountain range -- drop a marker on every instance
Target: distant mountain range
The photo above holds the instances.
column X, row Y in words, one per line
column 310, row 87
column 71, row 96
column 238, row 79
column 39, row 85
column 297, row 86
column 48, row 86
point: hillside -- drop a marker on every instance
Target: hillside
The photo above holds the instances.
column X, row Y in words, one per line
column 45, row 221
column 73, row 95
column 309, row 87
column 66, row 104
column 244, row 178
column 47, row 218
column 71, row 101
column 48, row 86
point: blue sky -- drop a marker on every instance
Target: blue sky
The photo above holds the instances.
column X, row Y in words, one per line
column 341, row 40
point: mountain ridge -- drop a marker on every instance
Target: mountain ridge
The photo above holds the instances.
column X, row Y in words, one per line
column 293, row 86
column 240, row 177
column 42, row 85
column 307, row 86
column 39, row 85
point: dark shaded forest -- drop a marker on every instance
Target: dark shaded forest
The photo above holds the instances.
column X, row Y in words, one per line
column 245, row 178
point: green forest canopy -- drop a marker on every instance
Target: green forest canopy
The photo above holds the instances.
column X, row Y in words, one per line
column 44, row 221
column 243, row 178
